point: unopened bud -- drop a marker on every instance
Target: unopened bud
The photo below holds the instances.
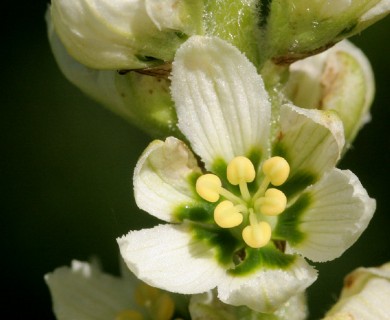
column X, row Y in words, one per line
column 296, row 29
column 366, row 295
column 339, row 79
column 122, row 34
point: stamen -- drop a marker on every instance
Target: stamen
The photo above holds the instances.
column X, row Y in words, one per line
column 129, row 315
column 276, row 170
column 240, row 171
column 164, row 308
column 227, row 215
column 257, row 234
column 264, row 185
column 144, row 295
column 208, row 187
column 273, row 203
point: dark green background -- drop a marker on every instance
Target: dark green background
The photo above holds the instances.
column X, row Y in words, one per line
column 66, row 168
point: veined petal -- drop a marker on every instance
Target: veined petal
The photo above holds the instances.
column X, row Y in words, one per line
column 161, row 177
column 222, row 106
column 167, row 257
column 311, row 142
column 337, row 211
column 269, row 288
column 84, row 292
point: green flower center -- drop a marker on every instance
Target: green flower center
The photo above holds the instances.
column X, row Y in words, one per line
column 253, row 209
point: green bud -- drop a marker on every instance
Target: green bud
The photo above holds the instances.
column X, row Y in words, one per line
column 366, row 295
column 122, row 34
column 339, row 79
column 142, row 99
column 295, row 29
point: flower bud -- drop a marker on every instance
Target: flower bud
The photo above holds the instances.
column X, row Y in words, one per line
column 339, row 79
column 295, row 29
column 122, row 34
column 366, row 295
column 141, row 99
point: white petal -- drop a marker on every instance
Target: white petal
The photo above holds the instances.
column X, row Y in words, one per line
column 311, row 140
column 167, row 257
column 339, row 211
column 267, row 289
column 84, row 292
column 222, row 106
column 161, row 177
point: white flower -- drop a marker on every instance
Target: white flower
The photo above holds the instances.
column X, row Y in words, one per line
column 227, row 227
column 83, row 291
column 366, row 295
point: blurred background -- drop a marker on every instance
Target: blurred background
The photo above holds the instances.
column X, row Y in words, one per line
column 66, row 169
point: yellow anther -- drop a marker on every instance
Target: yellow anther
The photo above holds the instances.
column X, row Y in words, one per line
column 257, row 234
column 227, row 215
column 144, row 295
column 208, row 187
column 163, row 308
column 276, row 170
column 129, row 315
column 239, row 170
column 273, row 203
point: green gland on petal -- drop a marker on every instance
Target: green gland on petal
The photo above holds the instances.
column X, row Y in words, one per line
column 241, row 205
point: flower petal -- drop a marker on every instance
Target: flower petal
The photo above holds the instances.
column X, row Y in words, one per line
column 161, row 177
column 222, row 106
column 84, row 292
column 167, row 257
column 337, row 210
column 311, row 142
column 269, row 288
